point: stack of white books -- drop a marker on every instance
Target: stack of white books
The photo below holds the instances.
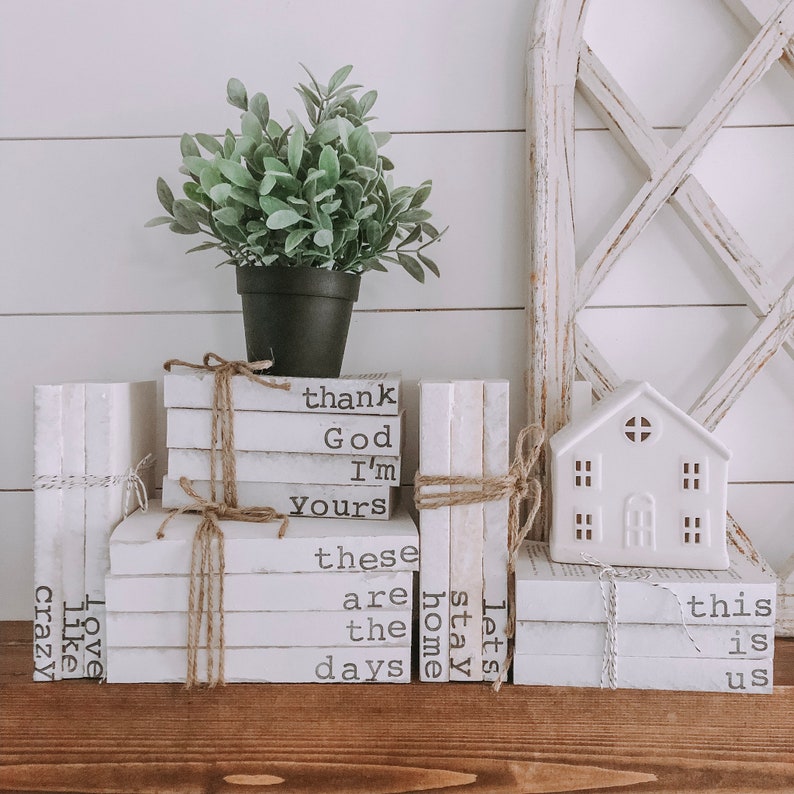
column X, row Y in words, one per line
column 464, row 430
column 330, row 602
column 680, row 629
column 324, row 448
column 88, row 440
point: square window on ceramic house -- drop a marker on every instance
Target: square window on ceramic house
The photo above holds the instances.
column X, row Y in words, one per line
column 695, row 529
column 693, row 475
column 587, row 471
column 587, row 525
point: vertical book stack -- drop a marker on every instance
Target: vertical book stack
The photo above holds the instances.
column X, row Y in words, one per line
column 464, row 431
column 90, row 440
column 324, row 448
column 675, row 628
column 331, row 600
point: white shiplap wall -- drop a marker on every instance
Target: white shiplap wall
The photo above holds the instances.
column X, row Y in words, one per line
column 93, row 99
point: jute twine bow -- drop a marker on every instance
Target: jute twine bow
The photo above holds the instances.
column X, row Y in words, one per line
column 518, row 486
column 608, row 578
column 223, row 412
column 208, row 564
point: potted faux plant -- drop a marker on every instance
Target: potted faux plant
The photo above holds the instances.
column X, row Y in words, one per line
column 301, row 212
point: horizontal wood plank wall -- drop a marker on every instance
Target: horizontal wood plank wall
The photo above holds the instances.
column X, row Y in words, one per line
column 91, row 117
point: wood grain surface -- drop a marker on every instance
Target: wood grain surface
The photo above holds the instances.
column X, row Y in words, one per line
column 80, row 736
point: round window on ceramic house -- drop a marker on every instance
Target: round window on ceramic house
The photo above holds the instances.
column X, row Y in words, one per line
column 642, row 429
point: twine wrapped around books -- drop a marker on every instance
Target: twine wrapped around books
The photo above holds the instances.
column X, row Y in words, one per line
column 608, row 578
column 518, row 486
column 131, row 479
column 208, row 564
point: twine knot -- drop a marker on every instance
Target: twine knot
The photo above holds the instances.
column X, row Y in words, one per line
column 519, row 486
column 608, row 577
column 208, row 565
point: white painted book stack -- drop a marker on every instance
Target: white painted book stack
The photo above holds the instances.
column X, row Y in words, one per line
column 464, row 430
column 88, row 440
column 330, row 602
column 675, row 628
column 324, row 448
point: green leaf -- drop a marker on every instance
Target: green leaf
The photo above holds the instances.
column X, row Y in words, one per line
column 366, row 212
column 325, row 132
column 295, row 149
column 274, row 129
column 281, row 219
column 237, row 174
column 422, row 193
column 194, row 192
column 381, row 138
column 414, row 216
column 361, row 144
column 366, row 173
column 202, row 247
column 429, row 264
column 338, row 77
column 295, row 238
column 232, row 233
column 185, row 215
column 412, row 266
column 211, row 144
column 366, row 102
column 251, row 126
column 244, row 147
column 229, row 142
column 230, row 216
column 165, row 195
column 373, row 233
column 175, row 227
column 271, row 204
column 385, row 163
column 331, row 207
column 158, row 221
column 188, row 146
column 236, row 94
column 325, row 194
column 267, row 184
column 412, row 237
column 323, row 238
column 209, row 178
column 260, row 107
column 307, row 92
column 195, row 165
column 247, row 197
column 353, row 194
column 347, row 162
column 329, row 162
column 220, row 193
column 273, row 165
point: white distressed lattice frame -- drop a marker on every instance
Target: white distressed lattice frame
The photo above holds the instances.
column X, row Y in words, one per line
column 558, row 57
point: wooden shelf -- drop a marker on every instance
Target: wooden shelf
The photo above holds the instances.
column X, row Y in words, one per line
column 82, row 736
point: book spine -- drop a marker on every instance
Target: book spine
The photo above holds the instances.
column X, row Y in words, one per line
column 496, row 461
column 330, row 434
column 435, row 415
column 120, row 424
column 466, row 538
column 370, row 551
column 267, row 665
column 645, row 639
column 715, row 603
column 376, row 394
column 746, row 676
column 311, row 500
column 291, row 467
column 47, row 535
column 73, row 568
column 366, row 629
column 276, row 592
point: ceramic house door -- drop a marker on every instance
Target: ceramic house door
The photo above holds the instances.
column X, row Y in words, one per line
column 639, row 521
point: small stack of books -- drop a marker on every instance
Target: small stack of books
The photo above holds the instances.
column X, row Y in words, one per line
column 329, row 602
column 675, row 628
column 464, row 430
column 89, row 440
column 324, row 448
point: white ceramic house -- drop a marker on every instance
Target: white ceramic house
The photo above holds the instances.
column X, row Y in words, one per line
column 636, row 481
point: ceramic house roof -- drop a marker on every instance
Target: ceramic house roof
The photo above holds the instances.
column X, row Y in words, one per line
column 617, row 401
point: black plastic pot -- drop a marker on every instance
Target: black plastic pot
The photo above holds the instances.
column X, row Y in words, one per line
column 298, row 317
